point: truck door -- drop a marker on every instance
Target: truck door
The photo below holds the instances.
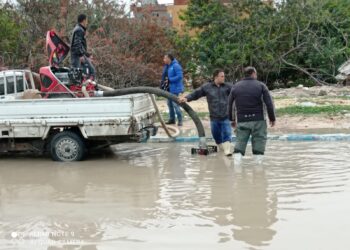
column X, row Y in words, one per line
column 2, row 88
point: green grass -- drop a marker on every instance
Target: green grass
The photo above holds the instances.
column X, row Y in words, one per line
column 282, row 97
column 293, row 110
column 159, row 98
column 341, row 97
column 322, row 98
column 201, row 115
column 300, row 110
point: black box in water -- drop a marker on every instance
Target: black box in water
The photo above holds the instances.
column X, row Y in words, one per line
column 204, row 151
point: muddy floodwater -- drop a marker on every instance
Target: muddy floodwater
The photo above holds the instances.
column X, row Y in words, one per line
column 157, row 196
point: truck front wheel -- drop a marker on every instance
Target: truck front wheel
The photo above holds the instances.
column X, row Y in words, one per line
column 67, row 146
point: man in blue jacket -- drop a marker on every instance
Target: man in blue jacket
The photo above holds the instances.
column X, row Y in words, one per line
column 172, row 81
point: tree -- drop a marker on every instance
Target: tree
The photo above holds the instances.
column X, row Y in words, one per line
column 126, row 51
column 295, row 40
column 10, row 31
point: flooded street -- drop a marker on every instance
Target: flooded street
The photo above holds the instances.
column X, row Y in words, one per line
column 157, row 196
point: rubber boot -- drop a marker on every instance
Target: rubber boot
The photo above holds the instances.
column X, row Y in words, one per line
column 170, row 122
column 237, row 158
column 227, row 148
column 220, row 148
column 258, row 159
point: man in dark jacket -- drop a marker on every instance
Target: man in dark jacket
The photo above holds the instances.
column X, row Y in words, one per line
column 79, row 53
column 172, row 81
column 217, row 92
column 249, row 98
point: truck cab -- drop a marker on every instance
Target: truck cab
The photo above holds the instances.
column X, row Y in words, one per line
column 14, row 83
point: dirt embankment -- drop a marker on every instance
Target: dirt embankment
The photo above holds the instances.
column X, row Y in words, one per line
column 294, row 97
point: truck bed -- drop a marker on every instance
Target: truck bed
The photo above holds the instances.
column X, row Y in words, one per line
column 96, row 117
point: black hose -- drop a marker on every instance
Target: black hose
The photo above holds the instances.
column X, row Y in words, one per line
column 159, row 92
column 162, row 123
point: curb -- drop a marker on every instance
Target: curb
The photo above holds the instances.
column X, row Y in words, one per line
column 288, row 137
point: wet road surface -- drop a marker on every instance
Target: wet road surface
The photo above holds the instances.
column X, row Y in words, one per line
column 158, row 196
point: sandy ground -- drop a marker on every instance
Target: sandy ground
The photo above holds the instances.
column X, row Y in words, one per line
column 294, row 96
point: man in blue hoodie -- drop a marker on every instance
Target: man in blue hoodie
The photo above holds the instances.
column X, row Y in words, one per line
column 173, row 78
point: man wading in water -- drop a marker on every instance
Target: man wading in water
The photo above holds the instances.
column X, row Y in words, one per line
column 248, row 98
column 217, row 92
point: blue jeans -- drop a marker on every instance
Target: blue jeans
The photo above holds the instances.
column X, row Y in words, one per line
column 221, row 130
column 174, row 108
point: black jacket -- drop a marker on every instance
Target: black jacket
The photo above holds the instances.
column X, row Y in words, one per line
column 248, row 97
column 217, row 98
column 78, row 45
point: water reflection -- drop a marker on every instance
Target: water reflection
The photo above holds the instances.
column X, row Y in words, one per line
column 158, row 196
column 238, row 199
column 254, row 207
column 83, row 199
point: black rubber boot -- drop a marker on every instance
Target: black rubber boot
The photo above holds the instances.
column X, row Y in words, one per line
column 170, row 122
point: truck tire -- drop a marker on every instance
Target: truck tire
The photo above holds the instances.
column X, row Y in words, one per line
column 67, row 146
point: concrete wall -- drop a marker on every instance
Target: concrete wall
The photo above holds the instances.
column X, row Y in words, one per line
column 175, row 11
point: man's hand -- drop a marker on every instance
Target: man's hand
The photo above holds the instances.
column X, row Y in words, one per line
column 182, row 99
column 272, row 124
column 233, row 124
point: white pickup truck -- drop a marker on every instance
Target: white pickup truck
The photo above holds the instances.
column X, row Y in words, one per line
column 68, row 128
